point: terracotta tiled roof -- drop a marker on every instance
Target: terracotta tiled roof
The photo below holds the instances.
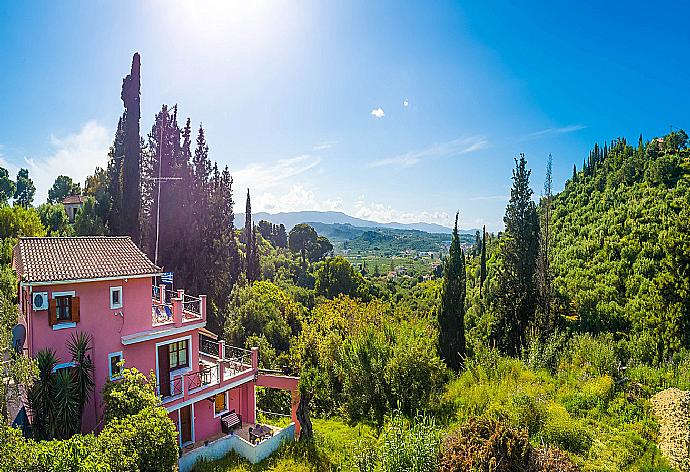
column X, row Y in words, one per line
column 78, row 258
column 71, row 199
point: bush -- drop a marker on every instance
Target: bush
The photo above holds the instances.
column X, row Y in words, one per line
column 595, row 355
column 404, row 447
column 563, row 430
column 131, row 394
column 145, row 442
column 485, row 445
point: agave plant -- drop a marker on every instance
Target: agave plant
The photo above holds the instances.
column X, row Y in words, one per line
column 80, row 347
column 41, row 398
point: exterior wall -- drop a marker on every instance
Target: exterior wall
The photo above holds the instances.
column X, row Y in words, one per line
column 96, row 318
column 205, row 425
column 220, row 448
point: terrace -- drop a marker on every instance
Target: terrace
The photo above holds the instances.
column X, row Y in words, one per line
column 170, row 307
column 219, row 365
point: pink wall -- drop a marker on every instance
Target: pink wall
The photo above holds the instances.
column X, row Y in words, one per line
column 105, row 325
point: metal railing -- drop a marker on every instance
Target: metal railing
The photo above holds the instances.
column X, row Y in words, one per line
column 208, row 346
column 202, row 377
column 176, row 388
column 161, row 314
column 191, row 305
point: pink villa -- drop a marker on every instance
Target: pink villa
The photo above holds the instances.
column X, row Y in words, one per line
column 104, row 286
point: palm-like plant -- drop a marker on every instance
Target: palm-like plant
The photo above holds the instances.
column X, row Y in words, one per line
column 80, row 346
column 41, row 397
column 66, row 413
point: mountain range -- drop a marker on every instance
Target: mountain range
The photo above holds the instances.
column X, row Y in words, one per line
column 290, row 219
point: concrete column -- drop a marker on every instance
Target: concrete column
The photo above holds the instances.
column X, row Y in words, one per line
column 255, row 357
column 161, row 293
column 177, row 311
column 202, row 306
column 221, row 349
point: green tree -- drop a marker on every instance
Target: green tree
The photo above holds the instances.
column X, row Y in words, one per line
column 516, row 292
column 301, row 239
column 253, row 267
column 451, row 314
column 7, row 186
column 336, row 276
column 546, row 323
column 24, row 189
column 482, row 262
column 88, row 222
column 63, row 187
column 55, row 219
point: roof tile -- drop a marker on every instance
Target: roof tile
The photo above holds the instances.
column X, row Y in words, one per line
column 78, row 258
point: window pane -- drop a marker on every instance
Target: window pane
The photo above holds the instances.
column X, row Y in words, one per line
column 220, row 403
column 173, row 359
column 114, row 367
column 116, row 297
column 182, row 357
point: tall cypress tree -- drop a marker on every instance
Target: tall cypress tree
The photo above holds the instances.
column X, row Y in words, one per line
column 516, row 291
column 546, row 323
column 251, row 254
column 482, row 265
column 115, row 161
column 451, row 315
column 131, row 192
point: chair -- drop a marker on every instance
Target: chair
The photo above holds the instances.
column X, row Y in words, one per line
column 230, row 421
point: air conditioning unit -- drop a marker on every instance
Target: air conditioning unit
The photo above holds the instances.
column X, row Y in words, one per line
column 39, row 301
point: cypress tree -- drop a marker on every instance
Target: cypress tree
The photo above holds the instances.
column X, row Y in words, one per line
column 574, row 179
column 546, row 323
column 252, row 256
column 516, row 292
column 482, row 266
column 131, row 192
column 451, row 315
column 115, row 160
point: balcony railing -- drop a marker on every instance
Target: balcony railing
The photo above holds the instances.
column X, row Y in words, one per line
column 208, row 346
column 176, row 388
column 176, row 307
column 203, row 377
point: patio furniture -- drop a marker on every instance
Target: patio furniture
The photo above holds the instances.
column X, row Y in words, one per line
column 259, row 433
column 230, row 421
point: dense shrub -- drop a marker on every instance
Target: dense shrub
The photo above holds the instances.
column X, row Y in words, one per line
column 145, row 442
column 404, row 446
column 129, row 395
column 595, row 355
column 564, row 431
column 485, row 445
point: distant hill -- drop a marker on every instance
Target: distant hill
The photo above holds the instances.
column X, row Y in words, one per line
column 290, row 219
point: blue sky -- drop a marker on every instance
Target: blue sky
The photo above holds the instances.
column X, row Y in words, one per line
column 384, row 110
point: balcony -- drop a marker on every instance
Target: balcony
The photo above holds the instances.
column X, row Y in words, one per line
column 219, row 365
column 170, row 307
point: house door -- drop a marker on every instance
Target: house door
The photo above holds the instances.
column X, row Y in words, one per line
column 164, row 370
column 186, row 424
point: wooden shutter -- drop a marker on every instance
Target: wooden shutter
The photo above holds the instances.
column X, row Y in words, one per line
column 74, row 308
column 52, row 311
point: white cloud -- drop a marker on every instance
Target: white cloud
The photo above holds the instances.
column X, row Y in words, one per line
column 384, row 213
column 406, row 103
column 259, row 176
column 323, row 145
column 561, row 130
column 75, row 155
column 490, row 197
column 298, row 198
column 378, row 112
column 449, row 148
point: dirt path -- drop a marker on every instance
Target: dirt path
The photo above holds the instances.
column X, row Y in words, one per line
column 672, row 410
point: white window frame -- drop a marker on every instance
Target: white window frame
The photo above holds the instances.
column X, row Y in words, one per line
column 64, row 324
column 227, row 405
column 177, row 372
column 116, row 289
column 110, row 365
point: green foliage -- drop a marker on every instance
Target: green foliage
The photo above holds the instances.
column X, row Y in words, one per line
column 131, row 394
column 143, row 442
column 405, row 446
column 515, row 291
column 63, row 187
column 88, row 221
column 621, row 243
column 55, row 219
column 24, row 189
column 451, row 315
column 7, row 186
column 264, row 310
column 304, row 240
column 336, row 276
